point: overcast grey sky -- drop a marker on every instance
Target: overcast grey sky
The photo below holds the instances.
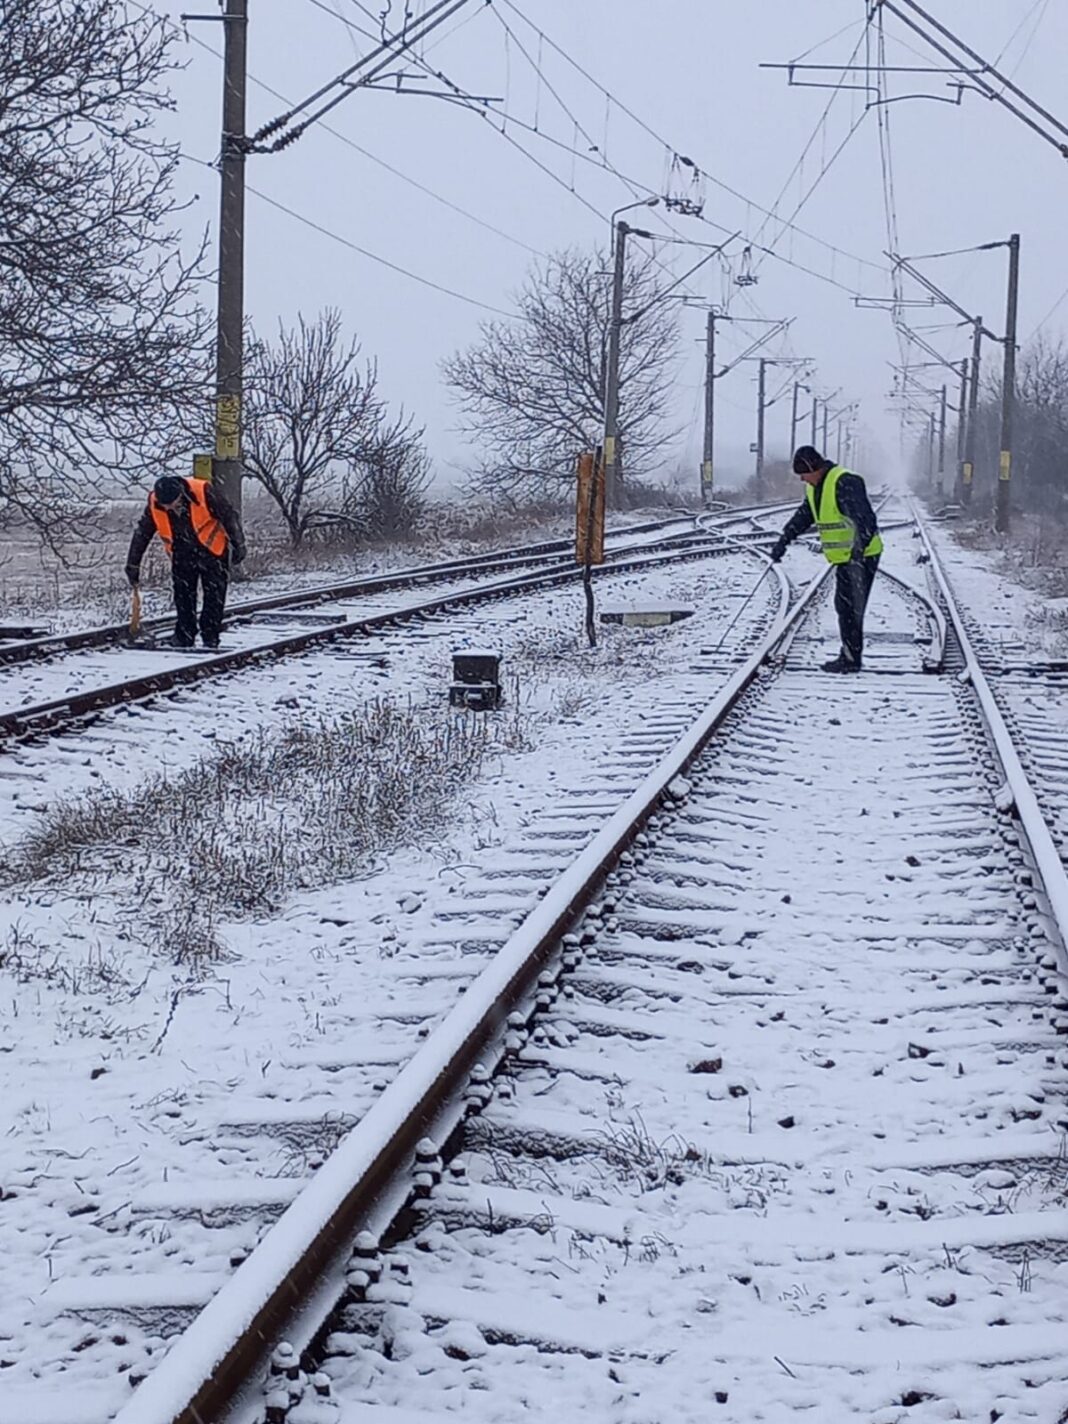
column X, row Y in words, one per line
column 689, row 70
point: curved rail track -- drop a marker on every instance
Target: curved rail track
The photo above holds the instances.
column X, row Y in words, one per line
column 755, row 1104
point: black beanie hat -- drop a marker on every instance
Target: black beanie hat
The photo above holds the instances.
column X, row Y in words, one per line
column 168, row 488
column 807, row 460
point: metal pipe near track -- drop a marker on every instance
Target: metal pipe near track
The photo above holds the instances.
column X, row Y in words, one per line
column 1046, row 857
column 210, row 1365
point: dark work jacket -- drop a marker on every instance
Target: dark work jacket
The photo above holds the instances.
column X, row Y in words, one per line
column 852, row 501
column 186, row 544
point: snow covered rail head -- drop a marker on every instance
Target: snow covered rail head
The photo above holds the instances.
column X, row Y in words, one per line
column 294, row 1277
column 1016, row 796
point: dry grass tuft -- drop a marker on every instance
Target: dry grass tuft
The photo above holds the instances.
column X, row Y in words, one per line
column 252, row 823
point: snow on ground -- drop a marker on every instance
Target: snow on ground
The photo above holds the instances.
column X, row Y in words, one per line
column 130, row 1084
column 813, row 1102
column 1019, row 624
column 1020, row 630
column 117, row 1067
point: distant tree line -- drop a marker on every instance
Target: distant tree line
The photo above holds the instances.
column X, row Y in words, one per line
column 1040, row 437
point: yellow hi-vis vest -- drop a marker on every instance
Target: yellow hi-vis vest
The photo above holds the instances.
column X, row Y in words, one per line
column 837, row 533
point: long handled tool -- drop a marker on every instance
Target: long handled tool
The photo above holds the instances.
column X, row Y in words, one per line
column 135, row 612
column 744, row 606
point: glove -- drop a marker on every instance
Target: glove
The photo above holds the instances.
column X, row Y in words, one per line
column 133, row 573
column 777, row 550
column 237, row 556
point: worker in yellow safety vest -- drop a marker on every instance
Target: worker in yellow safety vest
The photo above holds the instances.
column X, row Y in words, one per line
column 836, row 503
column 202, row 536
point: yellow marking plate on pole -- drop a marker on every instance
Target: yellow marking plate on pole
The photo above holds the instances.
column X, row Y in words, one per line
column 228, row 427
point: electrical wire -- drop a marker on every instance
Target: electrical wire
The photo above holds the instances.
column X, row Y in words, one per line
column 1039, row 4
column 634, row 186
column 1053, row 309
column 364, row 251
column 671, row 148
column 358, row 148
column 820, row 123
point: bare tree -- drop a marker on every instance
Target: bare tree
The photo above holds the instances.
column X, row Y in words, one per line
column 532, row 391
column 101, row 337
column 385, row 493
column 318, row 437
column 1040, row 457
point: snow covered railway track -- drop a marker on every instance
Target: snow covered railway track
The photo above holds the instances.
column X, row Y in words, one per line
column 775, row 1123
column 231, row 1166
column 544, row 553
column 95, row 691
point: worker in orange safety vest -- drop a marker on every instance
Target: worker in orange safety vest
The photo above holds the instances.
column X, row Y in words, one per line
column 203, row 538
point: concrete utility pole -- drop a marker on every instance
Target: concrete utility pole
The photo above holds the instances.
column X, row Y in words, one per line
column 231, row 304
column 707, row 455
column 611, row 385
column 815, row 408
column 941, row 440
column 1003, row 517
column 973, row 408
column 793, row 419
column 962, row 420
column 825, row 417
column 761, row 380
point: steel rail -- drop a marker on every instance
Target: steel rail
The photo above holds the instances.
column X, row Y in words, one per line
column 937, row 657
column 294, row 1277
column 59, row 711
column 25, row 649
column 300, row 1259
column 1025, row 804
column 319, row 593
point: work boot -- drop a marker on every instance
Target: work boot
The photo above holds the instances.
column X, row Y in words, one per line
column 211, row 643
column 840, row 664
column 175, row 642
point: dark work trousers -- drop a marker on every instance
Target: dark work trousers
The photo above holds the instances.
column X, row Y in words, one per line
column 189, row 568
column 852, row 586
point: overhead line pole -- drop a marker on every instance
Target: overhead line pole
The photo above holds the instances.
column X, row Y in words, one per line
column 611, row 389
column 941, row 440
column 1003, row 515
column 974, row 368
column 708, row 449
column 962, row 424
column 761, row 380
column 229, row 355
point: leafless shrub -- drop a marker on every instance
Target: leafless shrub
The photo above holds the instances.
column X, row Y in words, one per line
column 27, row 961
column 320, row 441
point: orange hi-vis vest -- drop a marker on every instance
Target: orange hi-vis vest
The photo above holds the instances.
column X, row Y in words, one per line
column 206, row 527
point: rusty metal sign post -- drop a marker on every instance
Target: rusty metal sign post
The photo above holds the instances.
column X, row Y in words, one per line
column 589, row 527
